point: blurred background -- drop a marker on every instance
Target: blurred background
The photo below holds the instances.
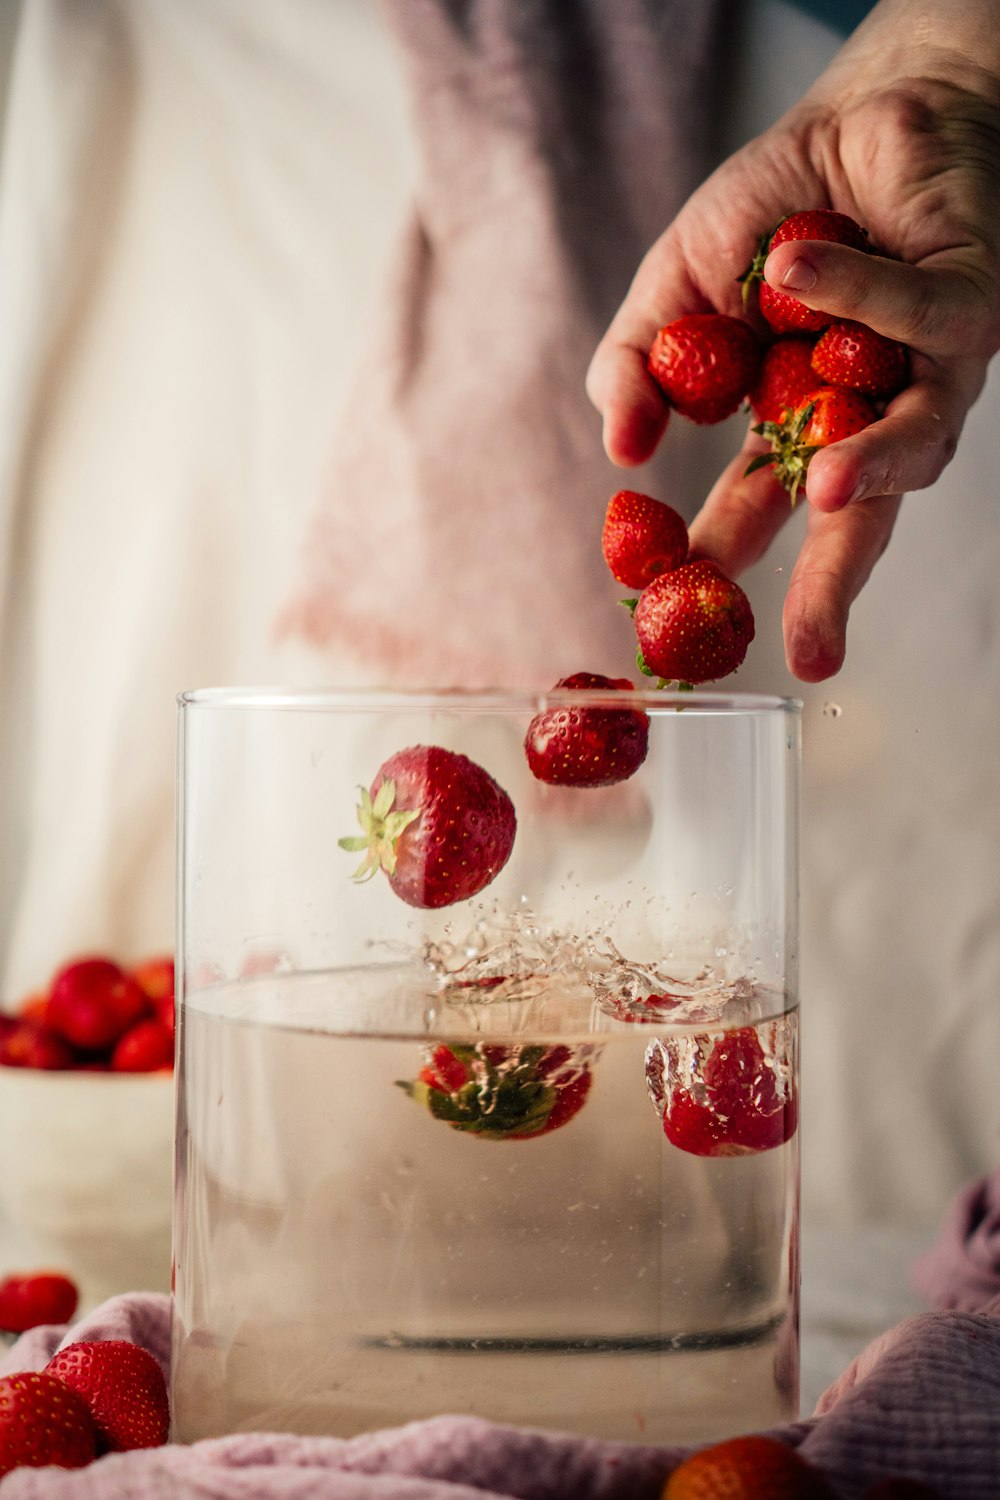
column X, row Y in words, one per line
column 208, row 212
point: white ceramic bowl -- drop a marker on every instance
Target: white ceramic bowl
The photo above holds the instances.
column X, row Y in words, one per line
column 86, row 1162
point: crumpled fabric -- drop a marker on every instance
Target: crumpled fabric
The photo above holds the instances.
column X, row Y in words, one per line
column 920, row 1401
column 961, row 1269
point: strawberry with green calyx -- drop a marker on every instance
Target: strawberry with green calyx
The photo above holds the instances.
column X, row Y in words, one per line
column 642, row 538
column 854, row 355
column 436, row 824
column 785, row 380
column 693, row 625
column 830, row 414
column 783, row 311
column 501, row 1092
column 591, row 745
column 705, row 363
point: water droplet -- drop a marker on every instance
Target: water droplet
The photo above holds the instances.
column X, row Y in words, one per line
column 832, row 710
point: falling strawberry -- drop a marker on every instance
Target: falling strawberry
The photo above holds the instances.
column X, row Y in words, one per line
column 642, row 538
column 31, row 1300
column 705, row 363
column 855, row 356
column 92, row 1002
column 43, row 1422
column 830, row 414
column 753, row 1467
column 590, row 745
column 785, row 379
column 437, row 824
column 502, row 1092
column 123, row 1387
column 784, row 312
column 693, row 625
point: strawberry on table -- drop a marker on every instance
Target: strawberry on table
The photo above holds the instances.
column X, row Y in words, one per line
column 500, row 1092
column 693, row 625
column 43, row 1422
column 854, row 355
column 785, row 379
column 123, row 1387
column 591, row 745
column 436, row 823
column 783, row 311
column 147, row 1047
column 642, row 538
column 26, row 1045
column 747, row 1468
column 40, row 1297
column 705, row 363
column 829, row 415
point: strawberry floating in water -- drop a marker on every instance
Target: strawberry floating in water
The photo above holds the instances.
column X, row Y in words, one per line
column 501, row 1092
column 731, row 1104
column 705, row 363
column 642, row 538
column 693, row 625
column 783, row 311
column 591, row 745
column 436, row 824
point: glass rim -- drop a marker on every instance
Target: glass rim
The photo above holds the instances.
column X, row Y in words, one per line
column 476, row 700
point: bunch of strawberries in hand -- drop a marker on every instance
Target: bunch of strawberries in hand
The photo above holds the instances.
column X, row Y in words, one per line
column 93, row 1397
column 96, row 1016
column 818, row 380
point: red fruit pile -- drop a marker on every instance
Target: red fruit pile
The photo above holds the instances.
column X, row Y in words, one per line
column 40, row 1297
column 812, row 391
column 729, row 1099
column 91, row 1398
column 816, row 381
column 96, row 1016
column 502, row 1092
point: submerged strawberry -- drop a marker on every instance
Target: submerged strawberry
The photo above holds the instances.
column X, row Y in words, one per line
column 731, row 1103
column 829, row 415
column 855, row 356
column 784, row 312
column 705, row 363
column 693, row 625
column 593, row 745
column 436, row 823
column 642, row 538
column 502, row 1092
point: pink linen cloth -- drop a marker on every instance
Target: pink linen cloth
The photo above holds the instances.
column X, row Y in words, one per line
column 961, row 1270
column 922, row 1401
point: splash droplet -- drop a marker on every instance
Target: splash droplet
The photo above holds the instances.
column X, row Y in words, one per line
column 832, row 710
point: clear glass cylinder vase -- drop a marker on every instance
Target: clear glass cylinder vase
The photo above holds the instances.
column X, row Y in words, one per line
column 526, row 1149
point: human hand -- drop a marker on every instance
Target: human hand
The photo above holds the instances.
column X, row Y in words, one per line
column 902, row 132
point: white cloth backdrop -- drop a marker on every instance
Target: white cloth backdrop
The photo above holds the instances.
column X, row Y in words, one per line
column 182, row 233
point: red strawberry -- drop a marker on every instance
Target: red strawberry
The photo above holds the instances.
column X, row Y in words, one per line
column 41, row 1423
column 593, row 745
column 785, row 379
column 747, row 1468
column 829, row 414
column 500, row 1092
column 854, row 355
column 784, row 312
column 155, row 977
column 24, row 1045
column 42, row 1297
column 743, row 1111
column 146, row 1047
column 92, row 1002
column 693, row 625
column 436, row 823
column 642, row 538
column 705, row 363
column 124, row 1388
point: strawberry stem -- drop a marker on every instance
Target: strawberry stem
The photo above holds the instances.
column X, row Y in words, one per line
column 380, row 831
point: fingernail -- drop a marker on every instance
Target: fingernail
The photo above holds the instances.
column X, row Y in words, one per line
column 799, row 277
column 860, row 489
